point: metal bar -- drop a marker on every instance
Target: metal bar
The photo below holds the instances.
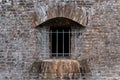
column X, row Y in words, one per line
column 51, row 40
column 57, row 44
column 44, row 41
column 69, row 43
column 75, row 41
column 65, row 32
column 63, row 43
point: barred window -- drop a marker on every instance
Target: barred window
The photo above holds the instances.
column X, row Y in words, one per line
column 60, row 40
column 61, row 37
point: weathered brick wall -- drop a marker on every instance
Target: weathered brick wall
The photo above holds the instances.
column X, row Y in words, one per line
column 17, row 39
column 19, row 45
column 105, row 32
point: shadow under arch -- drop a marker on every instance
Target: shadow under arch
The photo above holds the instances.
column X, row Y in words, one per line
column 60, row 21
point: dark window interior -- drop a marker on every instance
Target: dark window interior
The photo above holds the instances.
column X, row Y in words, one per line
column 60, row 41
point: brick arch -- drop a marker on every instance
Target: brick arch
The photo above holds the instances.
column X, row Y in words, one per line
column 67, row 10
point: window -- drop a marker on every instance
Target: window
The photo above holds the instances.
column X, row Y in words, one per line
column 61, row 37
column 60, row 40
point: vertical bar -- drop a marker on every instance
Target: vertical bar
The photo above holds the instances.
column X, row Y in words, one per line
column 63, row 42
column 57, row 44
column 75, row 41
column 51, row 41
column 45, row 41
column 69, row 42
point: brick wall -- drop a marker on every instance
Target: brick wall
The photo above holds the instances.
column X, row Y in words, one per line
column 19, row 45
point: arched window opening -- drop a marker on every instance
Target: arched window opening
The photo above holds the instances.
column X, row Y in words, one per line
column 60, row 37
